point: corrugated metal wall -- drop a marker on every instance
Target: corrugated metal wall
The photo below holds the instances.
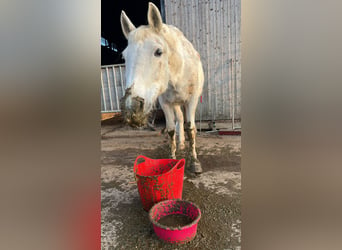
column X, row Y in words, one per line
column 213, row 27
column 112, row 87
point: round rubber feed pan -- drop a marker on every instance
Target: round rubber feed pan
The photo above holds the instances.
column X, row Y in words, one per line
column 175, row 220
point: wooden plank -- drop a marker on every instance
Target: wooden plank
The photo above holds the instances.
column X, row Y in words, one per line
column 106, row 116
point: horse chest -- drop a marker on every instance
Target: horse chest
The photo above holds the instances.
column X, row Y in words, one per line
column 177, row 95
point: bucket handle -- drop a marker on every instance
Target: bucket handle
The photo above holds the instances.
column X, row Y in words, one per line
column 179, row 165
column 147, row 160
column 142, row 157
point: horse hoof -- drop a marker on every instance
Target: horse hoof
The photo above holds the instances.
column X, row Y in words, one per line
column 195, row 167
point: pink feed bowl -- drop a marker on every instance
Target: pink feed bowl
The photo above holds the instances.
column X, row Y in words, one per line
column 175, row 220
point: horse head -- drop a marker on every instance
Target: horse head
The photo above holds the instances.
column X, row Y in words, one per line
column 146, row 61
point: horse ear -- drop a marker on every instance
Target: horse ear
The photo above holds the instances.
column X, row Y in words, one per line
column 154, row 17
column 126, row 24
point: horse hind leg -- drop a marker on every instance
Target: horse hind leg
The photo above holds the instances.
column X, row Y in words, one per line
column 170, row 127
column 172, row 137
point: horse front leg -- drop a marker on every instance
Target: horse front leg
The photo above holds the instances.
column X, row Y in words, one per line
column 180, row 127
column 195, row 165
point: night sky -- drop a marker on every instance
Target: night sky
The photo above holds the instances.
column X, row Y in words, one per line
column 111, row 27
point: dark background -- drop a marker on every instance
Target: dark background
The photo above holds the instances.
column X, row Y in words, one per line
column 111, row 27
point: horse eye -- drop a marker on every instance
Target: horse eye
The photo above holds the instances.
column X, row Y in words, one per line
column 158, row 53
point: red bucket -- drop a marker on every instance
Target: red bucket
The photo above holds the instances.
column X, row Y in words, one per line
column 158, row 179
column 179, row 231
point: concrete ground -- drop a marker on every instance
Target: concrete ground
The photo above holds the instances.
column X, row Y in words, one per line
column 217, row 191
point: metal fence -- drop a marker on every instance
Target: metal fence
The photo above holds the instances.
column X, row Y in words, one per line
column 112, row 87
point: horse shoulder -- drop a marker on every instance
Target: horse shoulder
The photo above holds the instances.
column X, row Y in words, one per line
column 183, row 58
column 172, row 36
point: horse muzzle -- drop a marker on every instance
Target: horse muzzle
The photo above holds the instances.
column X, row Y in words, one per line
column 133, row 110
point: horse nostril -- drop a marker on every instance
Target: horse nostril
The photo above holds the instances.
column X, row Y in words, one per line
column 139, row 103
column 142, row 104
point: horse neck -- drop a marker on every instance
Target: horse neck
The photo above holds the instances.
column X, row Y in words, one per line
column 173, row 38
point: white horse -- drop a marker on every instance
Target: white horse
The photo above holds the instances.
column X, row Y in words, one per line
column 161, row 63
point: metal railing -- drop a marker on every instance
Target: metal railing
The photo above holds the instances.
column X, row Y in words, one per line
column 112, row 87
